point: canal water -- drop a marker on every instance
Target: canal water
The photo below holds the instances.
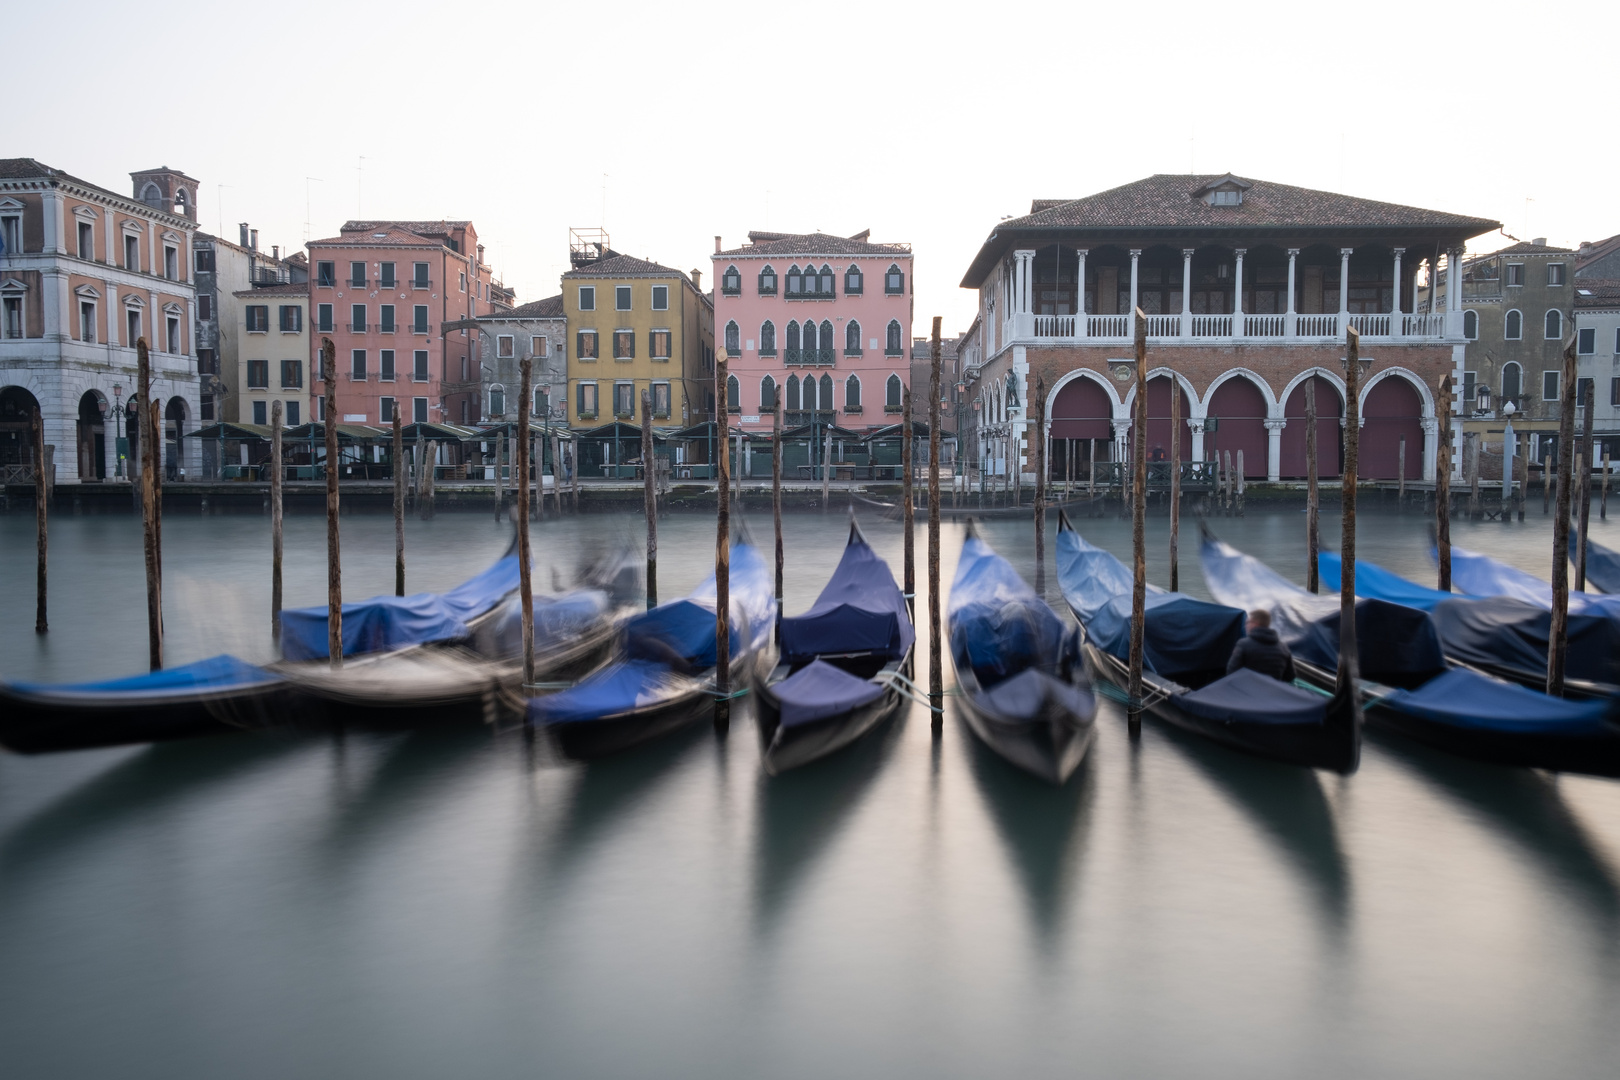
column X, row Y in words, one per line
column 461, row 904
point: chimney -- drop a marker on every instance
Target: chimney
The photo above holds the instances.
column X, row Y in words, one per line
column 253, row 239
column 242, row 231
column 275, row 252
column 1540, row 241
column 717, row 245
column 697, row 280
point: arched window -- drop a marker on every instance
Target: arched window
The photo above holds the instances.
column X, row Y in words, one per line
column 852, row 338
column 767, row 338
column 793, row 341
column 1471, row 325
column 793, row 393
column 1555, row 325
column 733, row 394
column 894, row 282
column 795, row 282
column 809, row 393
column 497, row 400
column 827, row 281
column 733, row 345
column 731, row 282
column 767, row 281
column 1512, row 384
column 893, row 347
column 891, row 395
column 826, row 394
column 828, row 343
column 1513, row 326
column 767, row 394
column 853, row 282
column 852, row 394
column 809, row 339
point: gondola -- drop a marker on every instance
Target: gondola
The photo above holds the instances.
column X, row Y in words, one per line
column 840, row 663
column 1021, row 685
column 665, row 676
column 1478, row 574
column 892, row 511
column 1602, row 564
column 1186, row 646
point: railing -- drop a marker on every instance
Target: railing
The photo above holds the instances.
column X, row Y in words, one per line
column 1316, row 325
column 1371, row 325
column 1268, row 327
column 1116, row 326
column 1265, row 325
column 809, row 356
column 1163, row 326
column 1487, row 288
column 1212, row 326
column 1054, row 325
column 1427, row 325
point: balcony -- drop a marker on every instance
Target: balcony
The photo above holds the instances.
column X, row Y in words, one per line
column 809, row 357
column 1234, row 329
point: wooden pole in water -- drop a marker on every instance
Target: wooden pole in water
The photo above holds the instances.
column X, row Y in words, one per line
column 936, row 678
column 1238, row 480
column 776, row 498
column 41, row 623
column 1471, row 459
column 521, row 483
column 275, row 521
column 556, row 473
column 1546, row 482
column 1226, row 485
column 1138, row 526
column 1349, row 660
column 1175, row 484
column 1442, row 487
column 1583, row 491
column 500, row 487
column 908, row 511
column 1040, row 485
column 722, row 569
column 826, row 465
column 1603, row 502
column 399, row 505
column 150, row 509
column 1521, row 466
column 1400, row 465
column 334, row 563
column 1558, row 631
column 649, row 481
column 1313, row 493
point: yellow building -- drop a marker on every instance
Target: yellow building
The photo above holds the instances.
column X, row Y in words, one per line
column 632, row 326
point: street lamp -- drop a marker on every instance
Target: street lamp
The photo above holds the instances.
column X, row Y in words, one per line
column 118, row 427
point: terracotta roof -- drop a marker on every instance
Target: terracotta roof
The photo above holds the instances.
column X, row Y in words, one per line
column 772, row 243
column 1591, row 251
column 411, row 226
column 549, row 308
column 29, row 169
column 623, row 266
column 1037, row 205
column 1525, row 248
column 386, row 234
column 1596, row 293
column 296, row 289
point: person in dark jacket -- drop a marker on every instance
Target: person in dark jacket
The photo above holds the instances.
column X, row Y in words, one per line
column 1262, row 650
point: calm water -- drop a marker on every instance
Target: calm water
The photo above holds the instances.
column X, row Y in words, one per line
column 429, row 905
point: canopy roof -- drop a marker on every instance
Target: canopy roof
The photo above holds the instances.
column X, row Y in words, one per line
column 1466, row 699
column 351, row 433
column 622, row 431
column 226, row 429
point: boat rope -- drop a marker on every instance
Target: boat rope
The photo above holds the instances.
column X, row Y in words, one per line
column 911, row 691
column 1114, row 693
column 735, row 694
column 548, row 685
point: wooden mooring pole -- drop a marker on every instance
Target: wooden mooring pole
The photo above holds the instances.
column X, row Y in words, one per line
column 500, row 488
column 430, row 459
column 275, row 521
column 1521, row 466
column 649, row 481
column 1471, row 462
column 1400, row 467
column 334, row 562
column 1558, row 631
column 826, row 465
column 1546, row 482
column 521, row 482
column 1603, row 499
column 150, row 509
column 936, row 678
column 1175, row 484
column 1583, row 489
column 1138, row 527
column 722, row 565
column 42, row 623
column 399, row 505
column 908, row 511
column 1238, row 480
column 1442, row 487
column 1040, row 485
column 1313, row 494
column 1349, row 659
column 776, row 498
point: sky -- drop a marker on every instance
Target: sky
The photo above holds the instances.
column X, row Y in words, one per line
column 669, row 124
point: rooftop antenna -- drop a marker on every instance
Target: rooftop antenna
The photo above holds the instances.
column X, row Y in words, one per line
column 219, row 205
column 604, row 200
column 307, row 181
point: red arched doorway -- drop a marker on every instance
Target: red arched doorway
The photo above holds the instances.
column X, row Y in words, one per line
column 1329, row 431
column 1158, row 426
column 1082, row 427
column 1240, row 407
column 1394, row 412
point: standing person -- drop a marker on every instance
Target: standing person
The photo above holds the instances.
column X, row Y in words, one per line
column 1262, row 650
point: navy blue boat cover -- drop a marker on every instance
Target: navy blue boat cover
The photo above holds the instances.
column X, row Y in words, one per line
column 1481, row 575
column 617, row 689
column 1512, row 634
column 860, row 611
column 1395, row 643
column 385, row 623
column 1466, row 699
column 1602, row 564
column 556, row 619
column 998, row 626
column 819, row 690
column 1182, row 637
column 1027, row 693
column 1248, row 697
column 216, row 674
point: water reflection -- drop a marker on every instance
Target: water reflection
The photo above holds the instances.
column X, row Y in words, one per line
column 414, row 768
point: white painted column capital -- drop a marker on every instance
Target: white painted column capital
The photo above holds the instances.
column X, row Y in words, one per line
column 1397, row 308
column 1237, row 293
column 1344, row 286
column 1274, row 430
column 1136, row 256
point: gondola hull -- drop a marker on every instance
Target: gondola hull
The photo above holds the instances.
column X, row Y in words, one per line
column 1595, row 755
column 38, row 723
column 795, row 745
column 1050, row 744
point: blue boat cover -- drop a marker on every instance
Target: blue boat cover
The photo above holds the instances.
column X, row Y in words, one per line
column 557, row 618
column 1466, row 699
column 861, row 610
column 1374, row 582
column 216, row 674
column 1248, row 697
column 1026, row 694
column 1182, row 637
column 998, row 626
column 1512, row 635
column 819, row 690
column 1602, row 564
column 1481, row 575
column 679, row 633
column 615, row 690
column 753, row 594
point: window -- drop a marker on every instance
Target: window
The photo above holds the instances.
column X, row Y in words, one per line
column 793, row 393
column 826, row 393
column 624, row 344
column 132, row 327
column 767, row 281
column 205, row 407
column 1614, row 391
column 1515, row 274
column 1586, row 340
column 320, row 409
column 585, row 345
column 1555, row 325
column 419, row 366
column 385, row 410
column 852, row 394
column 419, row 319
column 205, row 306
column 542, row 401
column 893, row 348
column 497, row 400
column 419, row 410
column 1471, row 325
column 795, row 282
column 385, row 365
column 658, row 344
column 1549, row 385
column 660, row 297
column 202, row 261
column 87, row 320
column 292, row 374
column 323, row 318
column 419, row 275
column 894, row 282
column 621, row 298
column 587, row 298
column 828, row 343
column 808, row 387
column 87, row 241
column 624, row 399
column 733, row 394
column 827, row 277
column 809, row 342
column 11, row 233
column 171, row 327
column 357, row 273
column 385, row 318
column 292, row 414
column 891, row 394
column 171, row 262
column 539, row 346
column 731, row 282
column 852, row 338
column 1513, row 326
column 258, row 375
column 1584, row 389
column 660, row 400
column 385, row 275
column 793, row 341
column 207, row 364
column 733, row 344
column 505, row 346
column 854, row 281
column 1555, row 273
column 292, row 319
column 14, row 317
column 357, row 361
column 767, row 394
column 325, row 274
column 463, row 281
column 767, row 338
column 585, row 400
column 132, row 252
column 1470, row 379
column 258, row 318
column 1226, row 198
column 259, row 416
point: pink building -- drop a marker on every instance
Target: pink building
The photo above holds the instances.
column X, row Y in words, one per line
column 825, row 320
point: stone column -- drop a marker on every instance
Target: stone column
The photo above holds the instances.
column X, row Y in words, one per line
column 1274, row 430
column 1344, row 289
column 54, row 293
column 1197, row 425
column 1186, row 292
column 1454, row 259
column 1396, row 311
column 1431, row 444
column 1290, row 321
column 1122, row 439
column 1080, row 296
column 52, row 207
column 1237, row 293
column 1136, row 255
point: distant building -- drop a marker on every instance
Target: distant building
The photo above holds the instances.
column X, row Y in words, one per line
column 84, row 273
column 1597, row 343
column 535, row 331
column 922, row 367
column 1599, row 259
column 271, row 325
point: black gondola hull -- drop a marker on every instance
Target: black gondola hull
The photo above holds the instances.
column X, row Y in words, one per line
column 1049, row 745
column 45, row 723
column 1592, row 755
column 784, row 748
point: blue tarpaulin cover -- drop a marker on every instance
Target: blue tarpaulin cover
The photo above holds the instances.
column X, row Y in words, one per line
column 1469, row 700
column 1026, row 694
column 556, row 619
column 1481, row 575
column 1513, row 634
column 998, row 626
column 614, row 690
column 1376, row 583
column 861, row 610
column 1248, row 697
column 218, row 673
column 1181, row 637
column 1602, row 564
column 819, row 690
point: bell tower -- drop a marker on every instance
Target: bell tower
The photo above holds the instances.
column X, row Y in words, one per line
column 166, row 189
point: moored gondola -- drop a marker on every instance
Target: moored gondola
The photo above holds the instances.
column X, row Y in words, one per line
column 1602, row 564
column 841, row 661
column 1021, row 685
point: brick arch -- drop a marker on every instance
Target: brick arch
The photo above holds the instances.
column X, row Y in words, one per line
column 1082, row 406
column 1242, row 401
column 1158, row 408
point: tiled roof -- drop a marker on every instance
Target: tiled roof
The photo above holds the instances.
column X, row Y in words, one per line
column 1524, row 248
column 29, row 169
column 296, row 289
column 1592, row 251
column 772, row 243
column 549, row 308
column 623, row 266
column 1596, row 293
column 386, row 234
column 411, row 226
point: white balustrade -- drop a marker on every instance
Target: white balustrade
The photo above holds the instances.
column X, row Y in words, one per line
column 1326, row 326
column 1371, row 325
column 1317, row 325
column 1108, row 326
column 1163, row 326
column 1263, row 325
column 1431, row 325
column 1212, row 326
column 1048, row 326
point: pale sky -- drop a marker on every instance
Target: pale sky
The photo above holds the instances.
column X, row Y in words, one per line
column 671, row 123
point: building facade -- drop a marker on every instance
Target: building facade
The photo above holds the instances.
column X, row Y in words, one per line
column 634, row 325
column 224, row 269
column 1248, row 288
column 1597, row 345
column 824, row 320
column 539, row 332
column 271, row 326
column 84, row 274
column 386, row 294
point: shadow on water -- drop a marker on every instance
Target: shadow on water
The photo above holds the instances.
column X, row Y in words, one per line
column 1529, row 809
column 1039, row 824
column 799, row 812
column 417, row 765
column 1289, row 806
column 162, row 775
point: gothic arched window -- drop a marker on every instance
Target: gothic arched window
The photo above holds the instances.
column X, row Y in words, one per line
column 767, row 281
column 793, row 341
column 894, row 282
column 733, row 344
column 893, row 348
column 793, row 393
column 809, row 336
column 828, row 342
column 827, row 278
column 767, row 338
column 731, row 282
column 767, row 394
column 795, row 281
column 891, row 394
column 852, row 394
column 853, row 281
column 826, row 394
column 733, row 394
column 852, row 338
